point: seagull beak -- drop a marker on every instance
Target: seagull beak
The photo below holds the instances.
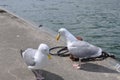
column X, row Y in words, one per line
column 58, row 37
column 49, row 56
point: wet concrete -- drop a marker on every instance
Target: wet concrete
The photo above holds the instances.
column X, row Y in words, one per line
column 16, row 34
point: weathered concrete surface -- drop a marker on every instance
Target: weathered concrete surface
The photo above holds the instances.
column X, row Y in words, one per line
column 16, row 34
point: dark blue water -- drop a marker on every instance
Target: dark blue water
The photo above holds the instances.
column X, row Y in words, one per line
column 97, row 21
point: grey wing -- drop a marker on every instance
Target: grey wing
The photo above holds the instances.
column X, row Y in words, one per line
column 28, row 56
column 84, row 49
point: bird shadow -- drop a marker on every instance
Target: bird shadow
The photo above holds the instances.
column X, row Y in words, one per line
column 96, row 68
column 51, row 76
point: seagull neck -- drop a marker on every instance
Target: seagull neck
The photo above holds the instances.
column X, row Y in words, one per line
column 37, row 54
column 69, row 37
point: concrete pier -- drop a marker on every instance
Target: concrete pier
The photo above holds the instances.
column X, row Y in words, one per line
column 16, row 34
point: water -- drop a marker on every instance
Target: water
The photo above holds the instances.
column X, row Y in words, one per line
column 97, row 21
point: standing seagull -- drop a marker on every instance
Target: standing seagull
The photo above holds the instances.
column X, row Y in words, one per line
column 80, row 49
column 36, row 59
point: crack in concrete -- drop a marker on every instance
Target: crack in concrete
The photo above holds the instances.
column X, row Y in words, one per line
column 9, row 72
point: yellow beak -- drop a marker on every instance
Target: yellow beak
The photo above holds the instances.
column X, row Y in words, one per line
column 58, row 37
column 49, row 56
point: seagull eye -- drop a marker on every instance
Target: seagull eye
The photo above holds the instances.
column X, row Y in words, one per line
column 45, row 50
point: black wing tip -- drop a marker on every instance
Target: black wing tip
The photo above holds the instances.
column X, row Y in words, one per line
column 105, row 54
column 21, row 52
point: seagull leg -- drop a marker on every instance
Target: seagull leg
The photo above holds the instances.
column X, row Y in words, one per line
column 77, row 65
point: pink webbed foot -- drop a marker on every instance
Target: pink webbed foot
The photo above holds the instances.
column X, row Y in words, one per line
column 77, row 66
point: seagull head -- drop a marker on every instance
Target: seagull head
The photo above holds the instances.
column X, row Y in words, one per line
column 68, row 36
column 45, row 50
column 61, row 32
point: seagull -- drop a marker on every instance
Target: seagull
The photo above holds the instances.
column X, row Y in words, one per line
column 36, row 59
column 78, row 48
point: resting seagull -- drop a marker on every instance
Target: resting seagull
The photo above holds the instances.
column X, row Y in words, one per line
column 36, row 59
column 80, row 49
